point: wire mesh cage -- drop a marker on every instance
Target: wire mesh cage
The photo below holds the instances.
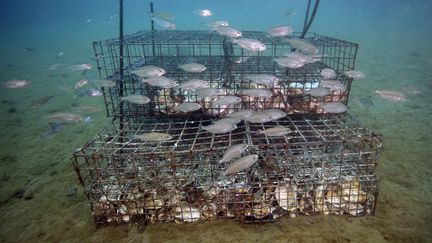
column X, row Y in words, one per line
column 230, row 69
column 324, row 165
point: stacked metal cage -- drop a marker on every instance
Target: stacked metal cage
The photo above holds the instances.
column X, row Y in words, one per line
column 326, row 164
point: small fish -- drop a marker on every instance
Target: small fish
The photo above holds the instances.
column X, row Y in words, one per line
column 355, row 74
column 259, row 118
column 275, row 131
column 88, row 21
column 334, row 107
column 275, row 114
column 166, row 24
column 333, row 85
column 307, row 86
column 162, row 82
column 289, row 62
column 86, row 109
column 187, row 213
column 241, row 59
column 194, row 84
column 243, row 114
column 93, row 92
column 319, row 92
column 54, row 127
column 328, row 73
column 41, row 101
column 233, row 152
column 303, row 45
column 136, row 99
column 280, row 31
column 113, row 16
column 80, row 83
column 153, row 137
column 230, row 120
column 203, row 12
column 289, row 13
column 188, row 107
column 391, row 95
column 228, row 31
column 81, row 67
column 227, row 100
column 265, row 79
column 149, row 71
column 262, row 93
column 302, row 57
column 250, row 44
column 16, row 83
column 208, row 92
column 219, row 128
column 217, row 24
column 60, row 54
column 105, row 83
column 28, row 49
column 163, row 15
column 56, row 66
column 65, row 117
column 241, row 164
column 193, row 67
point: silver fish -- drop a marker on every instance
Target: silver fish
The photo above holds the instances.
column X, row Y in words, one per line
column 188, row 107
column 217, row 24
column 228, row 31
column 275, row 131
column 259, row 118
column 153, row 137
column 227, row 100
column 391, row 95
column 266, row 79
column 250, row 44
column 93, row 92
column 66, row 117
column 233, row 152
column 334, row 107
column 80, row 83
column 243, row 114
column 280, row 31
column 105, row 83
column 193, row 67
column 303, row 45
column 242, row 59
column 319, row 92
column 149, row 71
column 355, row 74
column 333, row 85
column 203, row 12
column 275, row 113
column 194, row 84
column 164, row 23
column 229, row 120
column 263, row 93
column 289, row 62
column 162, row 82
column 220, row 128
column 302, row 58
column 241, row 164
column 187, row 213
column 328, row 73
column 136, row 99
column 306, row 86
column 208, row 92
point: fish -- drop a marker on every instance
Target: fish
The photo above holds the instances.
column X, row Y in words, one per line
column 203, row 12
column 319, row 92
column 262, row 93
column 275, row 114
column 54, row 127
column 241, row 59
column 328, row 73
column 16, row 83
column 194, row 84
column 289, row 13
column 333, row 85
column 334, row 107
column 136, row 99
column 41, row 101
column 228, row 31
column 265, row 79
column 56, row 66
column 391, row 95
column 163, row 15
column 219, row 128
column 280, row 31
column 93, row 92
column 233, row 152
column 355, row 74
column 105, row 83
column 250, row 44
column 149, row 71
column 289, row 62
column 208, row 92
column 302, row 58
column 81, row 67
column 243, row 114
column 153, row 137
column 187, row 213
column 218, row 23
column 193, row 67
column 65, row 117
column 188, row 107
column 227, row 100
column 259, row 118
column 86, row 109
column 162, row 82
column 80, row 83
column 229, row 120
column 307, row 86
column 303, row 45
column 166, row 24
column 28, row 49
column 241, row 164
column 275, row 131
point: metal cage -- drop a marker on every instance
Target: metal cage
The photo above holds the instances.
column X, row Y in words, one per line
column 324, row 165
column 227, row 68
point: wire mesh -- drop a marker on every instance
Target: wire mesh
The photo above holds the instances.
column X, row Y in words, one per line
column 324, row 165
column 228, row 66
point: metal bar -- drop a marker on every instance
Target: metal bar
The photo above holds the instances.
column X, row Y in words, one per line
column 121, row 63
column 152, row 28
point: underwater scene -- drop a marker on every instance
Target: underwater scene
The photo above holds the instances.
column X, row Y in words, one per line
column 230, row 121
